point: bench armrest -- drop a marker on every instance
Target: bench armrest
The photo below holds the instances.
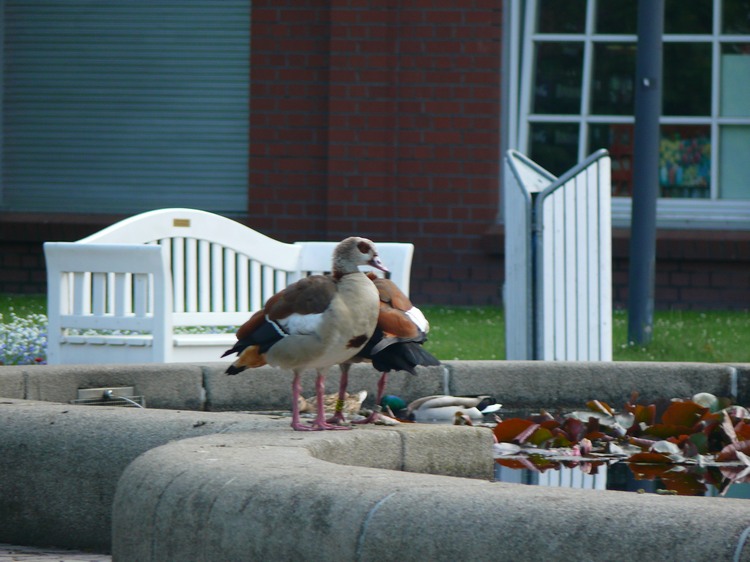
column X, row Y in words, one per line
column 108, row 286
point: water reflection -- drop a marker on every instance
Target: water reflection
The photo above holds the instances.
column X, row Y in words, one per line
column 714, row 481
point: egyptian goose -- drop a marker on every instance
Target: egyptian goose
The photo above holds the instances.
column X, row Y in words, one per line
column 315, row 323
column 396, row 344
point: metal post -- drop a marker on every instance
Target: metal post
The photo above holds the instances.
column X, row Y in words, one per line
column 645, row 171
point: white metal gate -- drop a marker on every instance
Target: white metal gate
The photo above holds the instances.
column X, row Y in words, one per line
column 558, row 260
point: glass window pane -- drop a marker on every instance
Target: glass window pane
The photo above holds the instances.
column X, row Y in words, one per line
column 558, row 76
column 693, row 17
column 685, row 161
column 735, row 80
column 554, row 146
column 733, row 174
column 735, row 16
column 561, row 16
column 687, row 79
column 612, row 85
column 618, row 140
column 617, row 16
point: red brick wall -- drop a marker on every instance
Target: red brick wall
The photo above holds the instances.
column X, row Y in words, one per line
column 22, row 268
column 699, row 270
column 381, row 119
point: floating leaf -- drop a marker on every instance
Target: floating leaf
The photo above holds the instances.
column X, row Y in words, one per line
column 644, row 444
column 600, row 407
column 538, row 437
column 509, row 430
column 727, row 425
column 664, row 431
column 683, row 413
column 650, row 458
column 525, row 435
column 700, row 440
column 644, row 414
column 729, row 453
column 738, row 412
column 742, row 430
column 574, row 429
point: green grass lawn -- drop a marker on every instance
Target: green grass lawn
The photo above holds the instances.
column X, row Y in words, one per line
column 711, row 336
column 22, row 305
column 479, row 333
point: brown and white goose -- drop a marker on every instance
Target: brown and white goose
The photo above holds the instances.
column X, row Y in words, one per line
column 395, row 345
column 315, row 323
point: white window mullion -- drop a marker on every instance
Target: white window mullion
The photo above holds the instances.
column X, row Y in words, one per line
column 527, row 76
column 512, row 62
column 588, row 58
column 715, row 99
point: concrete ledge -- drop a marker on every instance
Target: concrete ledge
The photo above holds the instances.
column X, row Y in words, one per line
column 517, row 384
column 60, row 464
column 565, row 384
column 227, row 498
column 168, row 386
column 232, row 479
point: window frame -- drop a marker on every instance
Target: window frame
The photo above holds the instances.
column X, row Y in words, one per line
column 685, row 213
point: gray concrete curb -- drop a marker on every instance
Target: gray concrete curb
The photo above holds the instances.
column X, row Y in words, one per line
column 227, row 498
column 249, row 488
column 60, row 464
column 517, row 384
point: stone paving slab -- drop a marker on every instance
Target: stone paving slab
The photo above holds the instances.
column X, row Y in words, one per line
column 10, row 553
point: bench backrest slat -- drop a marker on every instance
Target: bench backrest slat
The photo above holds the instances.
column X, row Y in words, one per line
column 175, row 267
column 397, row 256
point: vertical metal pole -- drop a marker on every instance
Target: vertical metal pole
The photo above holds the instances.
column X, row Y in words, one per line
column 645, row 171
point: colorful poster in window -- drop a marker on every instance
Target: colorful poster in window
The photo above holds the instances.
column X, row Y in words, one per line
column 685, row 161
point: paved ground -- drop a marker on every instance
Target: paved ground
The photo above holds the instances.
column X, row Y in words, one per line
column 9, row 553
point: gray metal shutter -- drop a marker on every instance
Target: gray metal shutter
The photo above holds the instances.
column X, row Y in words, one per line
column 119, row 106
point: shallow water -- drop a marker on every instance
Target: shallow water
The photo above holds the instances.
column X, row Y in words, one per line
column 666, row 480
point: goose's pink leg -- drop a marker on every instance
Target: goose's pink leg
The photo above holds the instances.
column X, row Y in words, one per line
column 319, row 423
column 296, row 391
column 320, row 419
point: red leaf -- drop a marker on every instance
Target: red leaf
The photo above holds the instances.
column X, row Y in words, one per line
column 644, row 414
column 574, row 429
column 742, row 430
column 644, row 444
column 729, row 453
column 683, row 413
column 663, row 431
column 649, row 458
column 508, row 430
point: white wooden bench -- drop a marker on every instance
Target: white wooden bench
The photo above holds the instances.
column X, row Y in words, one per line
column 137, row 291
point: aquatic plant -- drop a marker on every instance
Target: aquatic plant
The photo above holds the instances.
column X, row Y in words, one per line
column 688, row 443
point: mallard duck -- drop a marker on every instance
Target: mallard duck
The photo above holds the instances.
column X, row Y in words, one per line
column 443, row 408
column 315, row 323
